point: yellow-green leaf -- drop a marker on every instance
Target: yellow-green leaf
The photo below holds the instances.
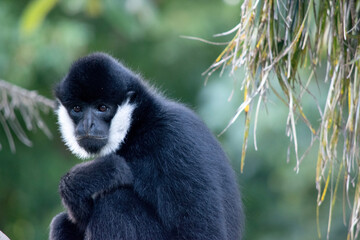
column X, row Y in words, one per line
column 34, row 14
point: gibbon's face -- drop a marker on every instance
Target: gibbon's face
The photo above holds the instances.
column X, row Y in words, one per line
column 94, row 109
column 90, row 130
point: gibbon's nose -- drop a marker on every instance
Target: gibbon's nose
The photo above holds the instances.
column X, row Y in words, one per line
column 89, row 123
column 86, row 126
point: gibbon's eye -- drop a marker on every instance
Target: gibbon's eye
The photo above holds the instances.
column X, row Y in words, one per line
column 77, row 109
column 102, row 108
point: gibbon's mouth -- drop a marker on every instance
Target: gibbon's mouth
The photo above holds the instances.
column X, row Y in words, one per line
column 79, row 138
column 92, row 144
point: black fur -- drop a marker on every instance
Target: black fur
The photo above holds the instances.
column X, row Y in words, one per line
column 176, row 182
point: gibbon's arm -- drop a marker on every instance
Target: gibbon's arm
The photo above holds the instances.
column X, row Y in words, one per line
column 85, row 181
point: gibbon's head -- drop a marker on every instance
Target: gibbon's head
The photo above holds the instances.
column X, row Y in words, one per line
column 95, row 105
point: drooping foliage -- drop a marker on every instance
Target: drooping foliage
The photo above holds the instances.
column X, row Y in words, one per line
column 281, row 37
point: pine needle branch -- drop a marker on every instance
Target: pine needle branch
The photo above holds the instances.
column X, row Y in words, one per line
column 17, row 102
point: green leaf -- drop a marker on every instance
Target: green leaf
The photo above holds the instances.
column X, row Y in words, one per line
column 34, row 14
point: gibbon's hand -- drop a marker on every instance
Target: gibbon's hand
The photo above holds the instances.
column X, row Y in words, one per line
column 87, row 180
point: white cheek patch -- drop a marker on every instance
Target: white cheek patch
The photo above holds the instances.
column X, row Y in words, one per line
column 67, row 129
column 119, row 127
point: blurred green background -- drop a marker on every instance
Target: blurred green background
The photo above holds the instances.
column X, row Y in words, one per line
column 279, row 203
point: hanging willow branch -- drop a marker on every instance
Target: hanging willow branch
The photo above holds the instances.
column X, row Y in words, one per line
column 28, row 104
column 279, row 37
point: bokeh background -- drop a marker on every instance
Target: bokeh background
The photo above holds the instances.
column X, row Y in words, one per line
column 279, row 203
